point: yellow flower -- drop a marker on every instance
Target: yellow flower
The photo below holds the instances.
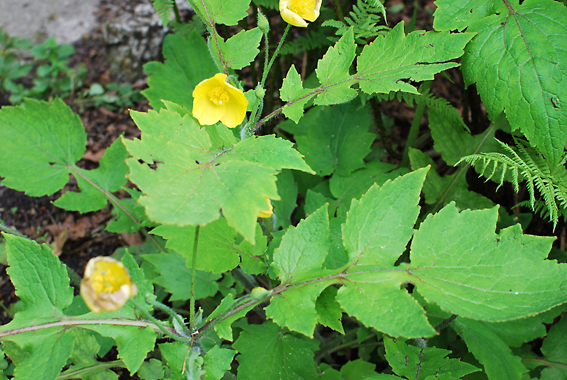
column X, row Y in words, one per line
column 295, row 12
column 215, row 99
column 106, row 285
column 266, row 213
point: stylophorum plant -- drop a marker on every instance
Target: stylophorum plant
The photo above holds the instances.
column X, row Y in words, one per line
column 367, row 279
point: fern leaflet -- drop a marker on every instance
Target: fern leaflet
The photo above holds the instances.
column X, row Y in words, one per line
column 164, row 10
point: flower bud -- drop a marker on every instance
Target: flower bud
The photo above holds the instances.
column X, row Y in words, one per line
column 260, row 92
column 263, row 23
column 259, row 293
column 106, row 285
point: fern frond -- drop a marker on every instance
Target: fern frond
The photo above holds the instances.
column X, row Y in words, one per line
column 364, row 17
column 164, row 10
column 527, row 164
column 314, row 39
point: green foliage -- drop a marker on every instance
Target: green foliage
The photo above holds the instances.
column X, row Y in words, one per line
column 527, row 164
column 528, row 47
column 364, row 17
column 164, row 10
column 360, row 253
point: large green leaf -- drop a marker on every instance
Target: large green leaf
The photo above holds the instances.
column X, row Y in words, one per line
column 239, row 50
column 280, row 356
column 394, row 60
column 333, row 72
column 466, row 269
column 519, row 64
column 227, row 12
column 217, row 251
column 109, row 177
column 41, row 282
column 416, row 363
column 394, row 208
column 334, row 138
column 40, row 144
column 201, row 178
column 292, row 91
column 498, row 362
column 187, row 62
column 176, row 277
column 554, row 348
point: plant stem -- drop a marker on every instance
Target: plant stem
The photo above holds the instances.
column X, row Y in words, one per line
column 176, row 11
column 276, row 52
column 98, row 366
column 155, row 321
column 415, row 125
column 193, row 279
column 169, row 311
column 11, row 231
column 377, row 113
column 86, row 322
column 339, row 11
column 446, row 322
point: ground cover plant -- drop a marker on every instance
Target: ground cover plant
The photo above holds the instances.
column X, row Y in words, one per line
column 287, row 237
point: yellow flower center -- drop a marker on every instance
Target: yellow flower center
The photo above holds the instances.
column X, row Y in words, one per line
column 302, row 8
column 219, row 96
column 108, row 277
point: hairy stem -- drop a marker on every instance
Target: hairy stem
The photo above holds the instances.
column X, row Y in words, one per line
column 12, row 231
column 176, row 12
column 193, row 279
column 339, row 11
column 155, row 321
column 95, row 367
column 276, row 52
column 86, row 322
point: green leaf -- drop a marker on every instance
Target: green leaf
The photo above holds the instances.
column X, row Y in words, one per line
column 216, row 252
column 252, row 256
column 527, row 43
column 555, row 350
column 41, row 282
column 187, row 62
column 223, row 328
column 394, row 60
column 357, row 369
column 394, row 208
column 337, row 138
column 451, row 15
column 303, row 248
column 176, row 277
column 451, row 187
column 174, row 354
column 294, row 94
column 280, row 356
column 200, row 179
column 346, row 188
column 40, row 143
column 151, row 370
column 287, row 189
column 49, row 355
column 137, row 275
column 333, row 72
column 83, row 357
column 227, row 12
column 241, row 49
column 217, row 362
column 471, row 271
column 498, row 362
column 295, row 308
column 109, row 177
column 329, row 311
column 133, row 342
column 405, row 361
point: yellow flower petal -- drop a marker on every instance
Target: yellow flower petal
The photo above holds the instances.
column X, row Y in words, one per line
column 266, row 213
column 215, row 99
column 106, row 285
column 295, row 12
